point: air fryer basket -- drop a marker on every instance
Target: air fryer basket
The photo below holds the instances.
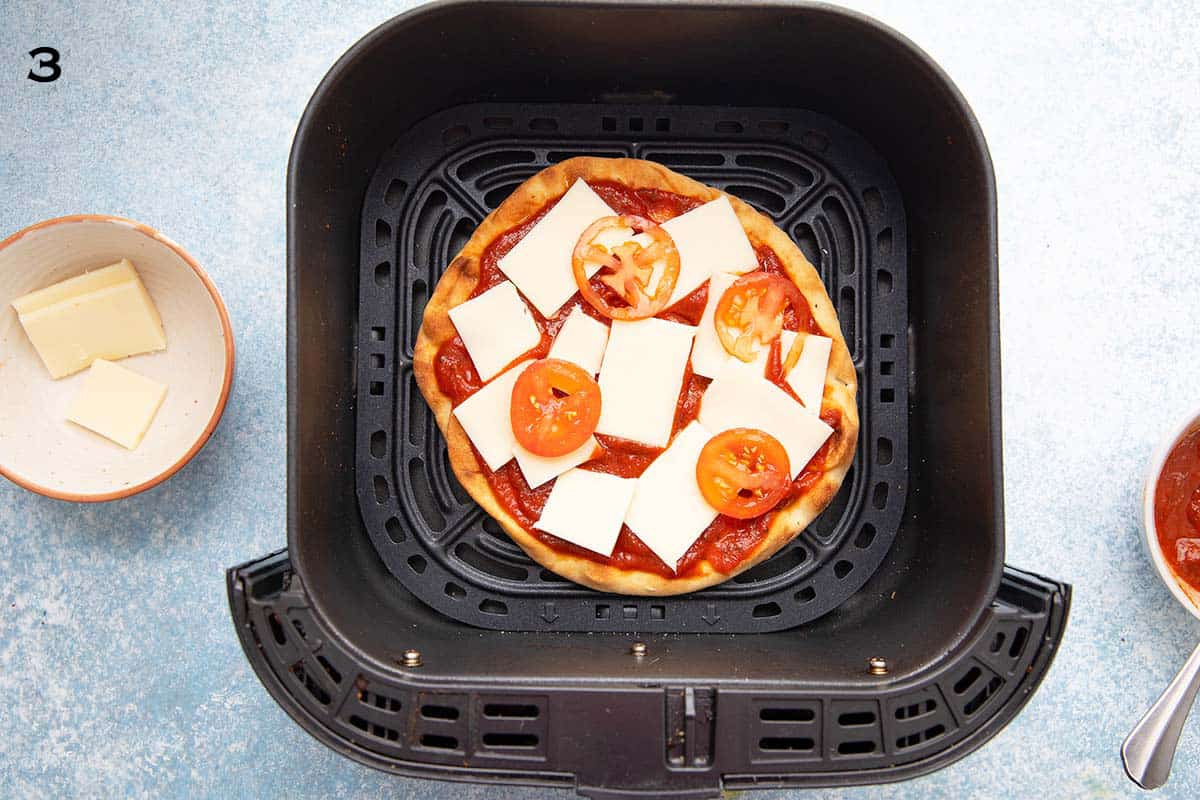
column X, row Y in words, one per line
column 466, row 98
column 816, row 179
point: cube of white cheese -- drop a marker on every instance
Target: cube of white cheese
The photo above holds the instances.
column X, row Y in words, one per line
column 540, row 264
column 587, row 508
column 641, row 377
column 496, row 328
column 103, row 314
column 581, row 340
column 739, row 400
column 807, row 377
column 668, row 512
column 485, row 417
column 117, row 403
column 710, row 239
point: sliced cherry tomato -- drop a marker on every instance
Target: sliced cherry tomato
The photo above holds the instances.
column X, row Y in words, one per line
column 743, row 472
column 749, row 315
column 555, row 407
column 641, row 275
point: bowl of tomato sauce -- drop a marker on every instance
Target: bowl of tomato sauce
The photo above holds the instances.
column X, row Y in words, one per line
column 1171, row 512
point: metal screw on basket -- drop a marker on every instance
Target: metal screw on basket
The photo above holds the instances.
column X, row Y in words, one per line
column 877, row 665
column 638, row 649
column 411, row 658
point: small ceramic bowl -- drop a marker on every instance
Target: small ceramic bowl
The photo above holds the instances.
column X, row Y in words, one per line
column 1189, row 598
column 39, row 449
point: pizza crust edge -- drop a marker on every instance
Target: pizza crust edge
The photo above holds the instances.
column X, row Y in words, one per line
column 460, row 279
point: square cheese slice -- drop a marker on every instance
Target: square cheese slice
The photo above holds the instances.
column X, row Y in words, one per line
column 120, row 272
column 581, row 340
column 641, row 377
column 540, row 264
column 587, row 509
column 710, row 239
column 807, row 377
column 709, row 356
column 486, row 420
column 485, row 417
column 117, row 403
column 668, row 511
column 737, row 399
column 539, row 469
column 496, row 328
column 105, row 314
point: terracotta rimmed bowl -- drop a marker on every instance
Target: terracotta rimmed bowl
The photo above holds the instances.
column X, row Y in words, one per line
column 1188, row 597
column 39, row 449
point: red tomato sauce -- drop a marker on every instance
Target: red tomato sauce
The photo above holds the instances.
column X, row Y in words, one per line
column 727, row 541
column 1177, row 509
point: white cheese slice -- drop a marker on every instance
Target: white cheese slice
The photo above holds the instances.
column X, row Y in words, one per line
column 581, row 340
column 540, row 264
column 710, row 239
column 807, row 378
column 587, row 509
column 756, row 368
column 709, row 356
column 668, row 511
column 496, row 328
column 539, row 469
column 740, row 400
column 485, row 417
column 117, row 403
column 103, row 314
column 641, row 377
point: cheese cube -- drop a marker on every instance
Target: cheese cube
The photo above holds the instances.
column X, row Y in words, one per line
column 668, row 512
column 739, row 400
column 710, row 239
column 539, row 469
column 496, row 327
column 581, row 340
column 587, row 509
column 105, row 314
column 540, row 264
column 807, row 377
column 641, row 377
column 117, row 403
column 485, row 417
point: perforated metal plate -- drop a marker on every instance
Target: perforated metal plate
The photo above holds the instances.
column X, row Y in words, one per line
column 821, row 184
column 691, row 741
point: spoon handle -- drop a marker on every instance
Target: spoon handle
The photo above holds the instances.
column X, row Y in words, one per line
column 1150, row 747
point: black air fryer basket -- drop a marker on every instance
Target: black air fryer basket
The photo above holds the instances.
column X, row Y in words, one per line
column 402, row 628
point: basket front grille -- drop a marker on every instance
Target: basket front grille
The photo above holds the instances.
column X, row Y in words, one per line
column 731, row 735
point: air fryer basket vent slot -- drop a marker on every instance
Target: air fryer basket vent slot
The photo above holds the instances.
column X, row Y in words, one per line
column 816, row 179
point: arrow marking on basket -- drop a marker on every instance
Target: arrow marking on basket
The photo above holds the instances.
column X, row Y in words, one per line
column 710, row 615
column 548, row 612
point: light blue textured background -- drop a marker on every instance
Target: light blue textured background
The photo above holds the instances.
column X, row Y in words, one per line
column 120, row 674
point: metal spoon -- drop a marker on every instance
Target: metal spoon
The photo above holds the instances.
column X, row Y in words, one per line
column 1150, row 747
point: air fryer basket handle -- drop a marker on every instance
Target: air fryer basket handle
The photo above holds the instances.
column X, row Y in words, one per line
column 373, row 716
